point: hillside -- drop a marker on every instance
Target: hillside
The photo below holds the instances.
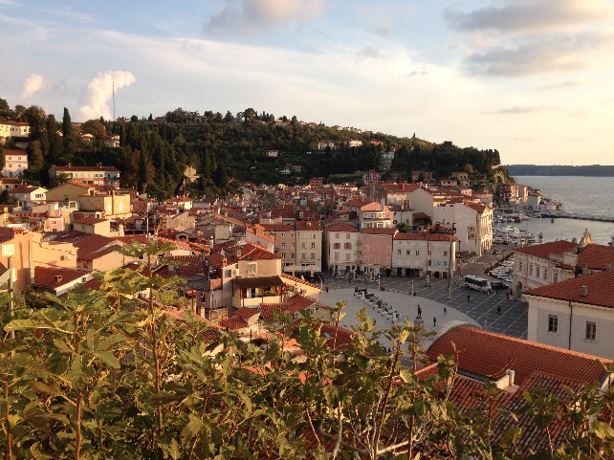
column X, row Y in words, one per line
column 155, row 151
column 561, row 170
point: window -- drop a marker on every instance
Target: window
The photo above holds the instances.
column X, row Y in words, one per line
column 337, row 235
column 313, row 245
column 445, row 253
column 407, row 252
column 545, row 273
column 399, row 252
column 313, row 255
column 347, row 246
column 520, row 265
column 251, row 269
column 283, row 245
column 537, row 271
column 553, row 323
column 347, row 236
column 531, row 269
column 591, row 330
column 417, row 253
column 556, row 277
column 336, row 245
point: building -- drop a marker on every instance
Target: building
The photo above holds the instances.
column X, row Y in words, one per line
column 423, row 253
column 371, row 176
column 111, row 141
column 577, row 314
column 299, row 245
column 323, row 145
column 547, row 263
column 471, row 222
column 375, row 215
column 105, row 204
column 15, row 162
column 91, row 175
column 495, row 372
column 13, row 129
column 375, row 250
column 342, row 248
column 28, row 195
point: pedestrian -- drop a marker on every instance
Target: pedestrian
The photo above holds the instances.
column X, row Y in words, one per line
column 419, row 312
column 434, row 321
column 445, row 311
column 349, row 280
column 468, row 297
column 498, row 309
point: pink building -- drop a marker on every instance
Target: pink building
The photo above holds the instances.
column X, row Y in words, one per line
column 375, row 249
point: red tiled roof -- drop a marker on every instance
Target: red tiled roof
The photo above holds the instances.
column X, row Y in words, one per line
column 341, row 227
column 292, row 305
column 544, row 250
column 599, row 290
column 379, row 231
column 252, row 252
column 274, row 228
column 87, row 220
column 486, row 354
column 48, row 277
column 298, row 280
column 15, row 152
column 424, row 236
column 400, row 188
column 373, row 206
column 307, row 225
column 86, row 168
column 596, row 257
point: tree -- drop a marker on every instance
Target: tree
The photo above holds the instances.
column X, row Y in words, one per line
column 68, row 138
column 5, row 109
column 2, row 162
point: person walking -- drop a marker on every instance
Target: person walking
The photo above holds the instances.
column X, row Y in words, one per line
column 498, row 309
column 445, row 311
column 468, row 297
column 434, row 321
column 419, row 312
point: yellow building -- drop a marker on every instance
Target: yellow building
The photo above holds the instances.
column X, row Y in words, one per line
column 112, row 205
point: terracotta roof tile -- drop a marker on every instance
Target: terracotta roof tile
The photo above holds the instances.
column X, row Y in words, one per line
column 487, row 354
column 544, row 250
column 599, row 290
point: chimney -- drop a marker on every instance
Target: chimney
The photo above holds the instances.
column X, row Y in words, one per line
column 583, row 291
column 511, row 376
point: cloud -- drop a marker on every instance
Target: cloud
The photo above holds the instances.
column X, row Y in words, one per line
column 32, row 85
column 529, row 37
column 522, row 15
column 369, row 52
column 100, row 90
column 517, row 110
column 249, row 16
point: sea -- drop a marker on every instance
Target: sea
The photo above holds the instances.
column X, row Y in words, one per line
column 591, row 196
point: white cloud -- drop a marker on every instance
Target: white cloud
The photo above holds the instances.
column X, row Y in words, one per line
column 100, row 90
column 516, row 38
column 32, row 85
column 248, row 16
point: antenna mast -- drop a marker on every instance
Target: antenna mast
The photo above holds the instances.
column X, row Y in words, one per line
column 114, row 101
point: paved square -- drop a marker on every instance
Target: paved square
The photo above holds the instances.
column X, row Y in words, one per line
column 494, row 312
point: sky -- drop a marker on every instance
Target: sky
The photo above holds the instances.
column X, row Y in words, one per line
column 531, row 78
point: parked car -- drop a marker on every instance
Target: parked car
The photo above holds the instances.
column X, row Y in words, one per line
column 498, row 285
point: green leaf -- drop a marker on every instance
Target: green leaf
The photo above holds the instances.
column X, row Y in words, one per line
column 52, row 389
column 108, row 358
column 406, row 375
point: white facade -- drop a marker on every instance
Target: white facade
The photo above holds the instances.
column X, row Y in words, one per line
column 342, row 250
column 572, row 325
column 14, row 129
column 15, row 163
column 473, row 228
column 308, row 249
column 421, row 256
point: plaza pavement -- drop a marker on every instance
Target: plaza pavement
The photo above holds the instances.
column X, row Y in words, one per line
column 404, row 304
column 494, row 312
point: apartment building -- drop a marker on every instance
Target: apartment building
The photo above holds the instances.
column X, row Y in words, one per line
column 375, row 250
column 375, row 215
column 92, row 175
column 299, row 245
column 342, row 248
column 421, row 253
column 15, row 162
column 576, row 314
column 13, row 129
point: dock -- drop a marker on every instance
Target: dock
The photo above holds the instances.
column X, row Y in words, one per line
column 565, row 215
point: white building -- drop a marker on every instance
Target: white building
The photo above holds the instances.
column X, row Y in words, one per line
column 375, row 215
column 421, row 253
column 15, row 162
column 342, row 247
column 577, row 314
column 13, row 129
column 471, row 221
column 308, row 247
column 29, row 195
